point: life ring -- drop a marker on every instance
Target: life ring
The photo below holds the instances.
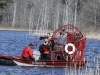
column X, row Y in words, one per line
column 73, row 48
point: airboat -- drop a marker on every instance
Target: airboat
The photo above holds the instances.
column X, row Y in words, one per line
column 70, row 52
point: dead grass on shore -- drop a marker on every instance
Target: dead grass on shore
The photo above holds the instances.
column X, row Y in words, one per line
column 95, row 36
column 14, row 29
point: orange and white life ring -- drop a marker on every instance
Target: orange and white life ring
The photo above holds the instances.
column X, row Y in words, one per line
column 73, row 48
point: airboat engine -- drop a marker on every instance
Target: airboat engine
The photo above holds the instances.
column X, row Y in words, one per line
column 74, row 43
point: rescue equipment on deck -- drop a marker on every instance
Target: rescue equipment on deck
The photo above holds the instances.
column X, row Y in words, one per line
column 73, row 48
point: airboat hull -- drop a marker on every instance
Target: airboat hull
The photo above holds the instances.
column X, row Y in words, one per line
column 18, row 61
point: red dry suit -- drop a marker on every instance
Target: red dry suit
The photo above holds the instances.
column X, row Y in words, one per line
column 27, row 52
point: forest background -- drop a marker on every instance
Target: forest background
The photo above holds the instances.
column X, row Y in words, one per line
column 50, row 14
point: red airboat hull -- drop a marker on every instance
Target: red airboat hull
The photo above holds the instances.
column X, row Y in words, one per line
column 12, row 61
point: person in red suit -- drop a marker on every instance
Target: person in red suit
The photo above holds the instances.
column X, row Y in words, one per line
column 27, row 52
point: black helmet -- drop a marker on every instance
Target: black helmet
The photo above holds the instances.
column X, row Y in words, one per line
column 30, row 44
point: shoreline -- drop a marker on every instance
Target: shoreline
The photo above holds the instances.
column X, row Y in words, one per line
column 94, row 36
column 13, row 29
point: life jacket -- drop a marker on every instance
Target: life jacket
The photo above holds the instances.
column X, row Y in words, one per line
column 46, row 49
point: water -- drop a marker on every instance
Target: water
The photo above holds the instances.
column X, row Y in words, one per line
column 12, row 43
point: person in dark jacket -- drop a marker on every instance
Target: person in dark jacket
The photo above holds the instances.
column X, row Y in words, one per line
column 41, row 50
column 27, row 52
column 46, row 49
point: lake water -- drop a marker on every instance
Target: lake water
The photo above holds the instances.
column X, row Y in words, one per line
column 12, row 43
